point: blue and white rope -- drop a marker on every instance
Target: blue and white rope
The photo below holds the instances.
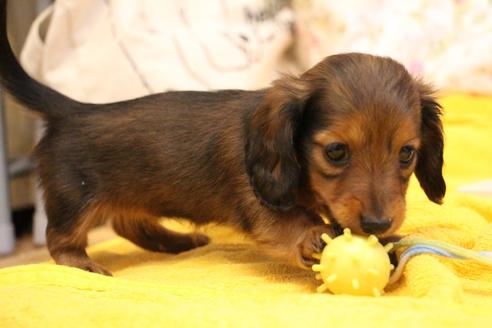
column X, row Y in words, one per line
column 443, row 249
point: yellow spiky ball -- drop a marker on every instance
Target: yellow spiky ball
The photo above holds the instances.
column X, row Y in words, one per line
column 353, row 265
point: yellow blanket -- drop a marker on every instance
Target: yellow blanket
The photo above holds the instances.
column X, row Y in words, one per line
column 229, row 283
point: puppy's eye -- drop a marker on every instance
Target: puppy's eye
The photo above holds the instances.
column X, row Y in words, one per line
column 407, row 153
column 337, row 153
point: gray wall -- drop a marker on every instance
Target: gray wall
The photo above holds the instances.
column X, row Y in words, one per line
column 20, row 123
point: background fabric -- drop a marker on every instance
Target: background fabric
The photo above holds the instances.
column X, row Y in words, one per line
column 133, row 48
column 446, row 42
column 102, row 51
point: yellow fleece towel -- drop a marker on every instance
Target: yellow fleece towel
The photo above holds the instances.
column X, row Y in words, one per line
column 230, row 283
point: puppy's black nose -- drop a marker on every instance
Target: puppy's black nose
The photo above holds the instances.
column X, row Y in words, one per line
column 374, row 225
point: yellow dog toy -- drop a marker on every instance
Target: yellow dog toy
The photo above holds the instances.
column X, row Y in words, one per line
column 361, row 266
column 353, row 265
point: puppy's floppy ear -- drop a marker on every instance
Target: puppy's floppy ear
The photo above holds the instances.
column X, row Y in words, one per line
column 430, row 156
column 271, row 158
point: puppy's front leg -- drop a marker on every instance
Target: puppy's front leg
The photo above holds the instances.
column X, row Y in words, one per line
column 293, row 236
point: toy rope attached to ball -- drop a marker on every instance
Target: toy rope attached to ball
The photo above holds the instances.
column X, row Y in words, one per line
column 357, row 265
column 418, row 246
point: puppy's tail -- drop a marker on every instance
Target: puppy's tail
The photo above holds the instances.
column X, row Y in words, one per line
column 29, row 92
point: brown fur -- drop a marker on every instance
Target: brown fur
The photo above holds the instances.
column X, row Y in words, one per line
column 252, row 159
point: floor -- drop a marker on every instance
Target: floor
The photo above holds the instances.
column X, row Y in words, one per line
column 26, row 252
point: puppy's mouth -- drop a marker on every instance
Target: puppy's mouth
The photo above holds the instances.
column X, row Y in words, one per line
column 337, row 228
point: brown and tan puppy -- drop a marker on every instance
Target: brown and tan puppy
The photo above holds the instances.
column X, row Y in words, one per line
column 341, row 140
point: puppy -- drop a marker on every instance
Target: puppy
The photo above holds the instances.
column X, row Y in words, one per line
column 340, row 141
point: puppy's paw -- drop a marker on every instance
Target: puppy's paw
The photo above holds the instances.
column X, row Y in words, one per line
column 81, row 261
column 178, row 243
column 312, row 243
column 96, row 268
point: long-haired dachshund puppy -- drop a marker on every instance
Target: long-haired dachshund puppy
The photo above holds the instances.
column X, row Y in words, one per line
column 340, row 140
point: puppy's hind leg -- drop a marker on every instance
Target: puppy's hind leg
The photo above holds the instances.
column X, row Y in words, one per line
column 67, row 235
column 149, row 234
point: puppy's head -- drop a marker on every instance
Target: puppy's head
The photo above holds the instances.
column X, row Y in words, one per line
column 347, row 135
